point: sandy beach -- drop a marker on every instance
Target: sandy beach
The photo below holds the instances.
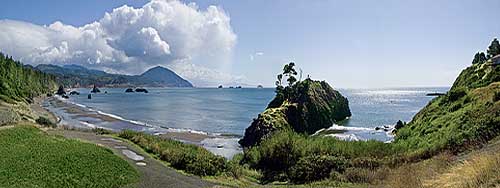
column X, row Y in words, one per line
column 78, row 117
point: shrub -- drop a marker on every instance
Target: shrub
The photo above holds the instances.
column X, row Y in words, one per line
column 45, row 122
column 289, row 156
column 315, row 167
column 455, row 107
column 456, row 94
column 234, row 169
column 360, row 175
column 191, row 158
column 278, row 153
column 399, row 125
column 496, row 97
column 102, row 131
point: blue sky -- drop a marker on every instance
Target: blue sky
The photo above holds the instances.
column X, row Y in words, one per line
column 350, row 44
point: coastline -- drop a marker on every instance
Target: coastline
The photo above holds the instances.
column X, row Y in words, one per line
column 76, row 116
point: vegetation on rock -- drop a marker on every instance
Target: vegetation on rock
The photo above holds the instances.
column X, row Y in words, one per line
column 301, row 106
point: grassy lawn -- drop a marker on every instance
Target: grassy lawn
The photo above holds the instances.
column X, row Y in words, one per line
column 31, row 158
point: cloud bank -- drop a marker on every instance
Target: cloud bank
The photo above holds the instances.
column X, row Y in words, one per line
column 195, row 43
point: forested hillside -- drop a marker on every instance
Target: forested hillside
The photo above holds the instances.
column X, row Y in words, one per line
column 21, row 83
column 78, row 76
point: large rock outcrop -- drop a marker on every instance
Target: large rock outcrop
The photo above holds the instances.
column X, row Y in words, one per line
column 308, row 107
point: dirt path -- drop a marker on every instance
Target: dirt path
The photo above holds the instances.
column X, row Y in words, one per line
column 153, row 173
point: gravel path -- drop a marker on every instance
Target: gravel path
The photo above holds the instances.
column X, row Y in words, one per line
column 153, row 173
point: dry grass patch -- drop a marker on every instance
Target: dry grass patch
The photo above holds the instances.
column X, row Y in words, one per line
column 414, row 174
column 482, row 170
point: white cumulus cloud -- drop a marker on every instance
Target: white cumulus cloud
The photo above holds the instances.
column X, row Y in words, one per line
column 193, row 42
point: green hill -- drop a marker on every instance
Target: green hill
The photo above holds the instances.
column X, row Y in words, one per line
column 78, row 76
column 469, row 114
column 22, row 83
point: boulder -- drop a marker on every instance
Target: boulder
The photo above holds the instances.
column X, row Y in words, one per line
column 306, row 107
column 74, row 93
column 129, row 90
column 141, row 90
column 61, row 91
column 95, row 90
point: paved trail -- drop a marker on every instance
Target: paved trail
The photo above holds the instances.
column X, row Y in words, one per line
column 153, row 173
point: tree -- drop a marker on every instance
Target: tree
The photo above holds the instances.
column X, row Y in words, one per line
column 479, row 58
column 278, row 82
column 289, row 71
column 494, row 48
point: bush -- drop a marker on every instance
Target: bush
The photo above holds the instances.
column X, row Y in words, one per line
column 234, row 169
column 191, row 158
column 315, row 167
column 496, row 97
column 289, row 156
column 45, row 122
column 456, row 94
column 360, row 175
column 277, row 154
column 102, row 131
column 399, row 125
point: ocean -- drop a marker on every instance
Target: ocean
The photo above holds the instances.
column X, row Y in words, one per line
column 219, row 112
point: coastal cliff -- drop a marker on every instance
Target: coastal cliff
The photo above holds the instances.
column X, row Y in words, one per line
column 306, row 107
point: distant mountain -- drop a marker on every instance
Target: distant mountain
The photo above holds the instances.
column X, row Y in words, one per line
column 78, row 76
column 164, row 76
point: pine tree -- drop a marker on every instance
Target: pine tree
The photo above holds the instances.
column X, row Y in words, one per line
column 494, row 48
column 479, row 58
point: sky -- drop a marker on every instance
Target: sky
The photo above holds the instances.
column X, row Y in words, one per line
column 350, row 44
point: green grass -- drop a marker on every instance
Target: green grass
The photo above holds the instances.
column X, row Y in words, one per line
column 31, row 158
column 190, row 158
column 453, row 121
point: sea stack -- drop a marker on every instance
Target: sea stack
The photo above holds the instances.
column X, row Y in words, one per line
column 61, row 91
column 306, row 107
column 95, row 90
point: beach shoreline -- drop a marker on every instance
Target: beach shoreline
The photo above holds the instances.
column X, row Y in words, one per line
column 74, row 116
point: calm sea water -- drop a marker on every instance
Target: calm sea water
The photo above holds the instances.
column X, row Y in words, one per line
column 232, row 110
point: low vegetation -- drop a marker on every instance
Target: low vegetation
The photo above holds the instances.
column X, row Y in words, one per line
column 190, row 158
column 290, row 156
column 31, row 158
column 45, row 122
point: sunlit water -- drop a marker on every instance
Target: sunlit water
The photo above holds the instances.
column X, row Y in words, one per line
column 230, row 111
